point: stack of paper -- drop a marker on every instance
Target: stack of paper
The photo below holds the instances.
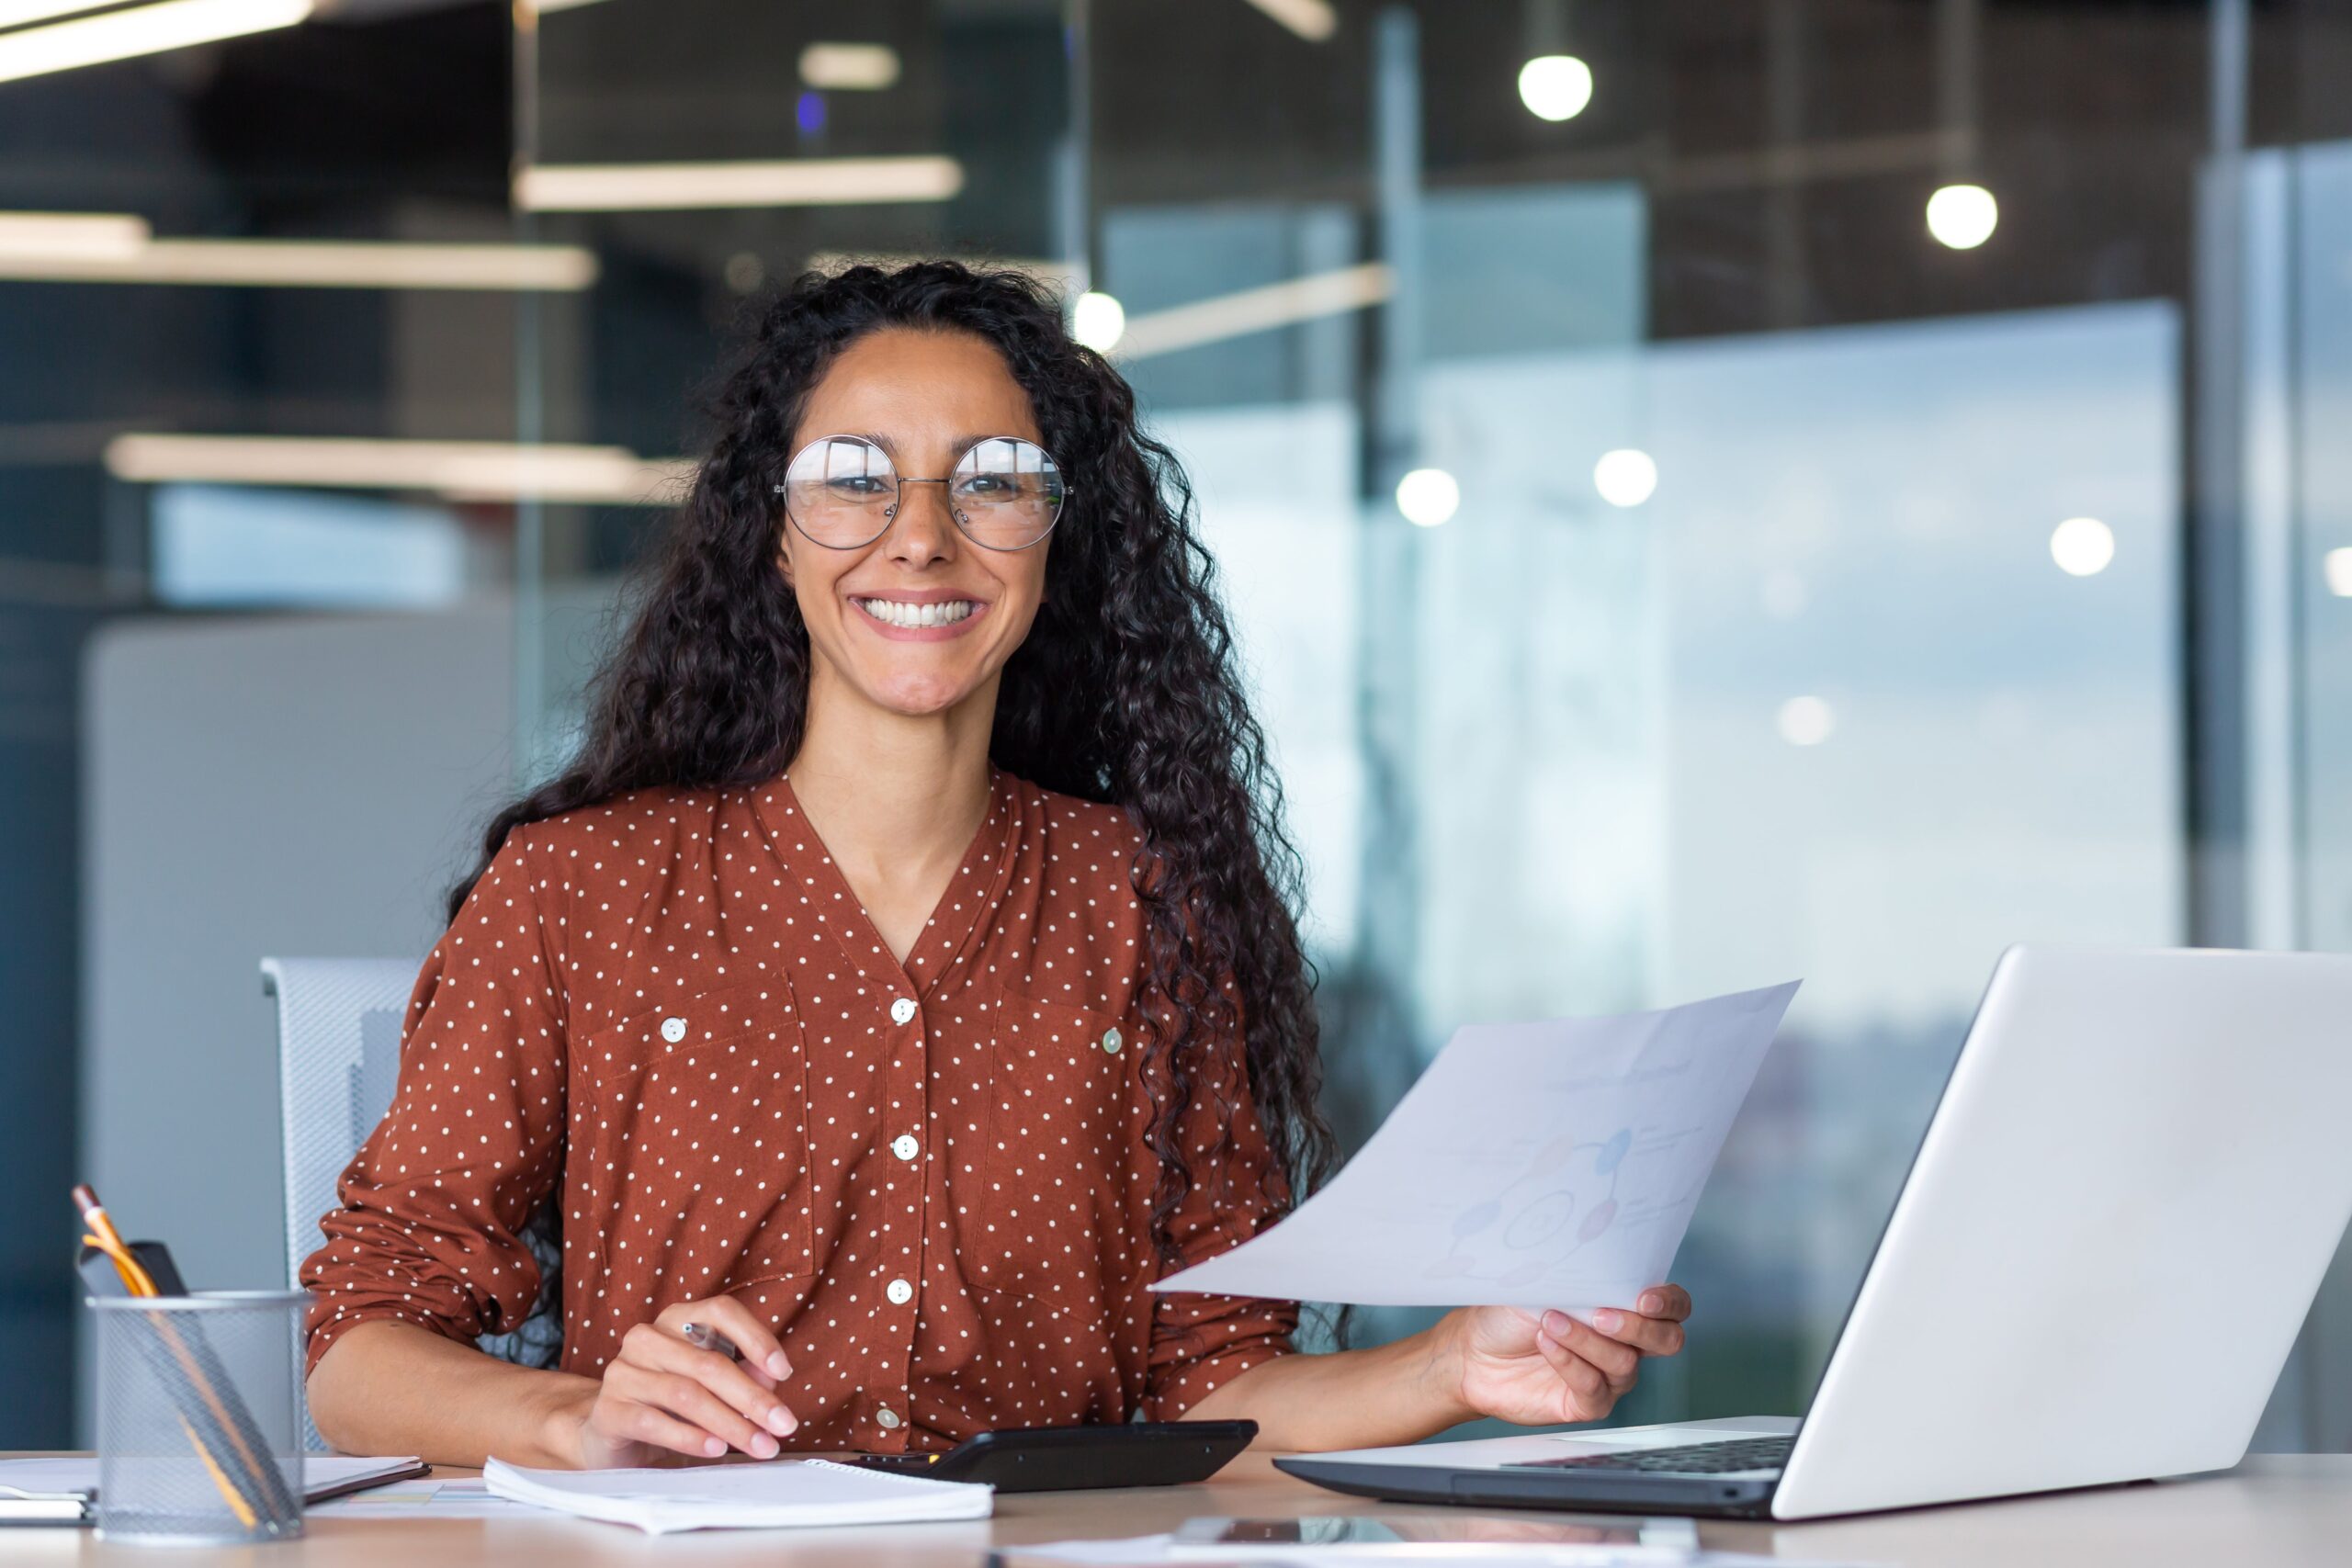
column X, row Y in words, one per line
column 715, row 1496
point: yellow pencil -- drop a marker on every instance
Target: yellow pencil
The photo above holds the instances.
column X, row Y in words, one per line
column 139, row 1282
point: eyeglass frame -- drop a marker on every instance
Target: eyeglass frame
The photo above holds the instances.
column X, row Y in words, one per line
column 890, row 514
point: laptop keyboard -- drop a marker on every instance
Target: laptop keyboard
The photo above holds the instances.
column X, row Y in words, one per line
column 1686, row 1458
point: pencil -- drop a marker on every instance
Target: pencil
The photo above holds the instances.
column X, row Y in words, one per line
column 270, row 1488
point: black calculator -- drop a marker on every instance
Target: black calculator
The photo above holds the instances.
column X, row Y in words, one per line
column 1074, row 1459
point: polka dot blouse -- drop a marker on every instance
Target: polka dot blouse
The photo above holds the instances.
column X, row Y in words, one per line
column 932, row 1177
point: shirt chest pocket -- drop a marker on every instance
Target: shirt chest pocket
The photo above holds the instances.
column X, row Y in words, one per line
column 696, row 1134
column 1055, row 1214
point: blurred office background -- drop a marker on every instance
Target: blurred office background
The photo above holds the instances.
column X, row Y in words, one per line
column 1711, row 492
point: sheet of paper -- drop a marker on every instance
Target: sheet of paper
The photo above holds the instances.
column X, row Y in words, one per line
column 1536, row 1164
column 801, row 1493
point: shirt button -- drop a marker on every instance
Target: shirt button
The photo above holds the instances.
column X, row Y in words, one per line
column 886, row 1419
column 1112, row 1041
column 674, row 1030
column 902, row 1011
column 899, row 1293
column 905, row 1147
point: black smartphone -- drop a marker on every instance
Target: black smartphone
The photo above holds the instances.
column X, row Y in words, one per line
column 1073, row 1459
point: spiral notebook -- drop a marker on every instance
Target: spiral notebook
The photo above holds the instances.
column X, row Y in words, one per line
column 780, row 1493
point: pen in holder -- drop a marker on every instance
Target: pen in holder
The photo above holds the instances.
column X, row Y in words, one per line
column 200, row 1416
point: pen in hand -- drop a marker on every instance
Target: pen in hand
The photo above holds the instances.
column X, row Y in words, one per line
column 703, row 1337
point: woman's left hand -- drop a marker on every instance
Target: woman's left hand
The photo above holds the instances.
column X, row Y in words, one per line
column 1538, row 1368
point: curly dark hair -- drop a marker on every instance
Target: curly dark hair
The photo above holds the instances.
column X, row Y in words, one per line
column 1124, row 691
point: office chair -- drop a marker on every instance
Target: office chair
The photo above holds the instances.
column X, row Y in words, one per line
column 338, row 1057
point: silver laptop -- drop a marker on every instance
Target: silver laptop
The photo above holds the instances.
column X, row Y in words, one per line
column 2106, row 1245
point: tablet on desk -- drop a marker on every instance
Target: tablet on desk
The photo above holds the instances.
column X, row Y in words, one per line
column 1072, row 1459
column 1453, row 1536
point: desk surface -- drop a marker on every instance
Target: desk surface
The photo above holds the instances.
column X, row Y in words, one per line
column 2280, row 1511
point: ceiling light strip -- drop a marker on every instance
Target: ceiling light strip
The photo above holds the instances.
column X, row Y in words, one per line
column 145, row 30
column 309, row 264
column 1313, row 20
column 70, row 236
column 17, row 13
column 849, row 67
column 800, row 182
column 1255, row 311
column 465, row 470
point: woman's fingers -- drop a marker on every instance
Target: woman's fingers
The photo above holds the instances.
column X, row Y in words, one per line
column 1617, row 1360
column 686, row 1398
column 644, row 1424
column 754, row 1400
column 1584, row 1381
column 743, row 1328
column 1648, row 1336
column 1671, row 1303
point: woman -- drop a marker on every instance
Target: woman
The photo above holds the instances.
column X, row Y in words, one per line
column 899, row 981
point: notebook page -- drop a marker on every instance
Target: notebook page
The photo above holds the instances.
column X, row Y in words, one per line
column 777, row 1493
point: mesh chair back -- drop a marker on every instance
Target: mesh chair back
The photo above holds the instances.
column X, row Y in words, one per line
column 338, row 1060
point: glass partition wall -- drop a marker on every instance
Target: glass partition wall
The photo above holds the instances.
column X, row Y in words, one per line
column 1708, row 494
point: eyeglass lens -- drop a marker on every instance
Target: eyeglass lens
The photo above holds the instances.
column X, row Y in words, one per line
column 1005, row 493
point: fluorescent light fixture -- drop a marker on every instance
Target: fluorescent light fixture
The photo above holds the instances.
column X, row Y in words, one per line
column 1963, row 217
column 468, row 470
column 849, row 67
column 541, row 7
column 69, row 238
column 1313, row 20
column 143, row 29
column 1255, row 310
column 1555, row 86
column 1097, row 320
column 2081, row 547
column 31, row 250
column 1627, row 476
column 18, row 12
column 1807, row 721
column 797, row 182
column 1427, row 497
column 2336, row 568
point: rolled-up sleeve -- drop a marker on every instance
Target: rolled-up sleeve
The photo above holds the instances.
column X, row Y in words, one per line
column 1201, row 1341
column 433, row 1206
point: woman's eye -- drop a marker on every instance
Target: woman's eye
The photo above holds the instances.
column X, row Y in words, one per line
column 857, row 487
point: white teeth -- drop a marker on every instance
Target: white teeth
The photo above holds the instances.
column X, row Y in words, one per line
column 892, row 613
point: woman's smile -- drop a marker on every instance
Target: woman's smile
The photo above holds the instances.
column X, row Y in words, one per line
column 927, row 616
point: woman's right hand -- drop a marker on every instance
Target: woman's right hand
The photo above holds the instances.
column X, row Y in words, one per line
column 663, row 1396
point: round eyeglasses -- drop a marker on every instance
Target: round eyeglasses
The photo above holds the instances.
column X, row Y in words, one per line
column 1005, row 493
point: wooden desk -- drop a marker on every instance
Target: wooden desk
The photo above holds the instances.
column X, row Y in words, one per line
column 2278, row 1512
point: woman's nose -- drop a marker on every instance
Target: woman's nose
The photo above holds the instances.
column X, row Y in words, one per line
column 923, row 529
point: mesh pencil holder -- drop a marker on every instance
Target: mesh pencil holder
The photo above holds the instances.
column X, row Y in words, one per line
column 200, row 1409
